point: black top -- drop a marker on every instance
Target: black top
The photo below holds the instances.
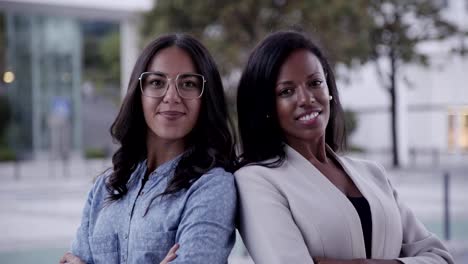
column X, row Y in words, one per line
column 363, row 209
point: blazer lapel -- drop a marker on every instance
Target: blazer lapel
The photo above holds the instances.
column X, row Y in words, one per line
column 348, row 214
column 363, row 181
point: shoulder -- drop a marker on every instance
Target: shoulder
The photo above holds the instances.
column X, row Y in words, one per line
column 214, row 190
column 99, row 188
column 259, row 173
column 216, row 182
column 253, row 180
column 259, row 169
column 216, row 176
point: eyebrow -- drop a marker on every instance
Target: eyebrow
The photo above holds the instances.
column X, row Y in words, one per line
column 167, row 75
column 291, row 82
column 158, row 73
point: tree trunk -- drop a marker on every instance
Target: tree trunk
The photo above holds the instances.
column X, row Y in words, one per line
column 393, row 102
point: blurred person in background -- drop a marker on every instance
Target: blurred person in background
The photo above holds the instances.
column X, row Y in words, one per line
column 300, row 201
column 170, row 195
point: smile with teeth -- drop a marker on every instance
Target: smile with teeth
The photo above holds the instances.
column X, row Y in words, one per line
column 309, row 116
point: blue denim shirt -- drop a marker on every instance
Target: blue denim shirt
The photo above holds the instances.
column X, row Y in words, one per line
column 200, row 219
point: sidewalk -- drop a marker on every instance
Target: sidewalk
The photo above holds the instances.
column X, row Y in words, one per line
column 41, row 211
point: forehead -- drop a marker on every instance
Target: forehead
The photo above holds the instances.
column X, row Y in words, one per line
column 172, row 61
column 300, row 64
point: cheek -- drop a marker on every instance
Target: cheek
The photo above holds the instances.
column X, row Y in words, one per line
column 195, row 107
column 284, row 111
column 148, row 106
column 145, row 107
column 284, row 108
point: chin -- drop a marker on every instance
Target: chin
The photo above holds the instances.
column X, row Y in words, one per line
column 170, row 134
column 311, row 136
column 173, row 137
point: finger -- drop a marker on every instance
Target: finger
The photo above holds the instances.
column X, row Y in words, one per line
column 174, row 249
column 171, row 255
column 172, row 252
column 168, row 258
column 65, row 257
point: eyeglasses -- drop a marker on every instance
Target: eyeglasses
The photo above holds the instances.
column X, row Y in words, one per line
column 156, row 84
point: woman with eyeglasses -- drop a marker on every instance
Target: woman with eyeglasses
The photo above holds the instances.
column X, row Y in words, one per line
column 299, row 200
column 170, row 195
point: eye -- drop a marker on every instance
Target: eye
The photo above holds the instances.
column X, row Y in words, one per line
column 314, row 83
column 154, row 81
column 157, row 83
column 189, row 84
column 286, row 92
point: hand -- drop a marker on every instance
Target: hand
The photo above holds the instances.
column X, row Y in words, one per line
column 171, row 255
column 69, row 258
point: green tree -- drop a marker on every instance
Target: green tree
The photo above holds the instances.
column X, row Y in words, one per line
column 102, row 57
column 230, row 28
column 110, row 51
column 399, row 26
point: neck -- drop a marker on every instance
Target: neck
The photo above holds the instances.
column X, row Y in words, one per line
column 160, row 151
column 314, row 151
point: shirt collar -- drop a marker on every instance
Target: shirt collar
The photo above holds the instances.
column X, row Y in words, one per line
column 162, row 170
column 167, row 167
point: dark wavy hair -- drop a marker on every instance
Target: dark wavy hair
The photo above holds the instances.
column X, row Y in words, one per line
column 261, row 136
column 210, row 143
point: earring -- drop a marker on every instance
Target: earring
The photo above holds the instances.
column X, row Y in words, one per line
column 330, row 98
column 267, row 116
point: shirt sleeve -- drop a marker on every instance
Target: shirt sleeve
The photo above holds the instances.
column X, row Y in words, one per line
column 419, row 246
column 266, row 224
column 206, row 232
column 80, row 246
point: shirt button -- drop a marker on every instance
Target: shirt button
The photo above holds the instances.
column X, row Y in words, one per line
column 125, row 236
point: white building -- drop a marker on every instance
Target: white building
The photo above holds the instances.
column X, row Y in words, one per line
column 433, row 101
column 44, row 51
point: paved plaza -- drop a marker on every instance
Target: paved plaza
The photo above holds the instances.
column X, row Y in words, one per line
column 41, row 203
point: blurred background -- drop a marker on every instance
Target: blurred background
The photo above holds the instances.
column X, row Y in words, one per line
column 401, row 66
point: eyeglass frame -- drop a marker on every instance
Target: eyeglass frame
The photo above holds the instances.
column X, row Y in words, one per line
column 175, row 84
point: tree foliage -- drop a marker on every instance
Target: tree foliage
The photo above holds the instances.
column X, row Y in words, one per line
column 101, row 60
column 230, row 28
column 398, row 28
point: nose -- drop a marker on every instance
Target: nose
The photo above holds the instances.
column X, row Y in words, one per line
column 304, row 97
column 171, row 93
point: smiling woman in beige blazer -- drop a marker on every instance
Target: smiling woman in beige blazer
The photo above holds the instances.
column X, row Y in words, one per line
column 300, row 202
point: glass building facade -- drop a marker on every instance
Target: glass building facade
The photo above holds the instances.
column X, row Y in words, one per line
column 45, row 54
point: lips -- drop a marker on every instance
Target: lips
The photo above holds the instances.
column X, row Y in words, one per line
column 309, row 117
column 171, row 115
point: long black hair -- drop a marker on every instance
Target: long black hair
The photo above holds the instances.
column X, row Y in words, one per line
column 261, row 136
column 210, row 143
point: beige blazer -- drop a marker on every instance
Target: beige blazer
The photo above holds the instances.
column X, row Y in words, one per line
column 292, row 213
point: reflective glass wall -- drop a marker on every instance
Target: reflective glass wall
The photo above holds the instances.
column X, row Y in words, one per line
column 45, row 54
